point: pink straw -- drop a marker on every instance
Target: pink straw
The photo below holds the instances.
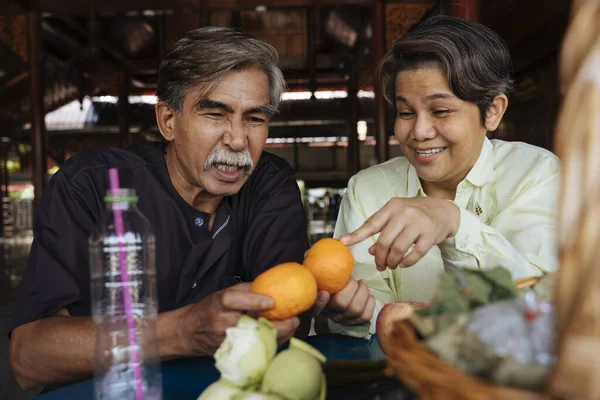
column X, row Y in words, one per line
column 113, row 175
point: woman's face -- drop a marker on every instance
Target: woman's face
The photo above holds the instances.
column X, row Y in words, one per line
column 440, row 134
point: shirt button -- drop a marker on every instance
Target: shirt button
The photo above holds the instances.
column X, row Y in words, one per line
column 199, row 221
column 194, row 285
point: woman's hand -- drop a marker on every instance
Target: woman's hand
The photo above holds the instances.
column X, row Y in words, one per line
column 353, row 305
column 403, row 222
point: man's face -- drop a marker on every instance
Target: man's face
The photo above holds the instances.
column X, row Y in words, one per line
column 218, row 138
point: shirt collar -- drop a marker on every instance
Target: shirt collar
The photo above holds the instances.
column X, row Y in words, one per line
column 414, row 187
column 483, row 170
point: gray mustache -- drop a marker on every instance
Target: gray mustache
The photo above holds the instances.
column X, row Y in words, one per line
column 223, row 156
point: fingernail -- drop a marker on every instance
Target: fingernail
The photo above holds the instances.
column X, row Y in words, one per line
column 296, row 322
column 268, row 303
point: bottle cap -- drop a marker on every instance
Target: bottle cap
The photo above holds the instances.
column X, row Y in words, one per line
column 120, row 195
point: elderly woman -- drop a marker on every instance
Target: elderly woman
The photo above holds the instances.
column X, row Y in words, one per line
column 456, row 199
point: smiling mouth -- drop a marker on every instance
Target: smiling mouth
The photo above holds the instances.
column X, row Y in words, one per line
column 429, row 152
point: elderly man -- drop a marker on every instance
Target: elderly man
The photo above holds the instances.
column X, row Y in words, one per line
column 222, row 211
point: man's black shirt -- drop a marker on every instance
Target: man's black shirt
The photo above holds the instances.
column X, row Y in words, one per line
column 262, row 225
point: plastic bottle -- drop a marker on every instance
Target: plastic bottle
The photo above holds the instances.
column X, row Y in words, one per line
column 124, row 302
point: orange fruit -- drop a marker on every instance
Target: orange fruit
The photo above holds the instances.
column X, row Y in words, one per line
column 331, row 262
column 291, row 286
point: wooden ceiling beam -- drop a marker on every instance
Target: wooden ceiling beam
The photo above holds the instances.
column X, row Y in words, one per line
column 297, row 81
column 80, row 7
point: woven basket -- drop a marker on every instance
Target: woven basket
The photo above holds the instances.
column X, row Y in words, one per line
column 433, row 379
column 576, row 374
column 426, row 374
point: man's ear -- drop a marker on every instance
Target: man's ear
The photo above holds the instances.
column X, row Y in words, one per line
column 495, row 112
column 165, row 119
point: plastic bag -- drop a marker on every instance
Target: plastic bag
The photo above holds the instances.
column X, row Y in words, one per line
column 521, row 328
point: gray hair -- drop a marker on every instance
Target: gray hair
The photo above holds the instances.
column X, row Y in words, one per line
column 203, row 56
column 473, row 57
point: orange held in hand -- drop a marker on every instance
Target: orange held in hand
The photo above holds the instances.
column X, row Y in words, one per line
column 331, row 262
column 291, row 286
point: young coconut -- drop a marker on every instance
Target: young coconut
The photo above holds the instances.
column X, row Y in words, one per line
column 256, row 396
column 246, row 352
column 219, row 390
column 296, row 373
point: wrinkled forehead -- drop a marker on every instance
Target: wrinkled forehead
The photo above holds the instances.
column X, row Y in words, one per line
column 250, row 85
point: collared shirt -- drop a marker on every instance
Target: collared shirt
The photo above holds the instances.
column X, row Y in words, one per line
column 262, row 225
column 507, row 205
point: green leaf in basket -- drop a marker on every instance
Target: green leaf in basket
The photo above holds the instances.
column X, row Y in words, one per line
column 511, row 372
column 479, row 290
column 447, row 298
column 503, row 287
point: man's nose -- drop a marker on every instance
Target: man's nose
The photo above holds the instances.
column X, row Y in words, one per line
column 236, row 137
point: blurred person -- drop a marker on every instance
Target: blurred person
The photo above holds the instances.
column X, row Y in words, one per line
column 455, row 199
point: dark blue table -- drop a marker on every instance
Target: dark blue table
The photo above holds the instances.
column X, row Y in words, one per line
column 185, row 379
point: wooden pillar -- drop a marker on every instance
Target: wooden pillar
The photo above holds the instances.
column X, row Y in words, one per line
column 36, row 95
column 296, row 156
column 5, row 176
column 161, row 37
column 334, row 157
column 382, row 151
column 296, row 150
column 5, row 142
column 123, row 108
column 465, row 9
column 312, row 29
column 353, row 108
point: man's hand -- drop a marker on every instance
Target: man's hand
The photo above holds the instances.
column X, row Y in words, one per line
column 60, row 348
column 353, row 305
column 403, row 222
column 202, row 325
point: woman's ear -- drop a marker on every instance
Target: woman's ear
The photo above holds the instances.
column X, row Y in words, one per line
column 495, row 112
column 165, row 119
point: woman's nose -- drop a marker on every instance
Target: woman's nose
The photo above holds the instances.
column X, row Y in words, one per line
column 423, row 129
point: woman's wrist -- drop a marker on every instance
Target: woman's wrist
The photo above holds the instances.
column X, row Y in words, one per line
column 453, row 217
